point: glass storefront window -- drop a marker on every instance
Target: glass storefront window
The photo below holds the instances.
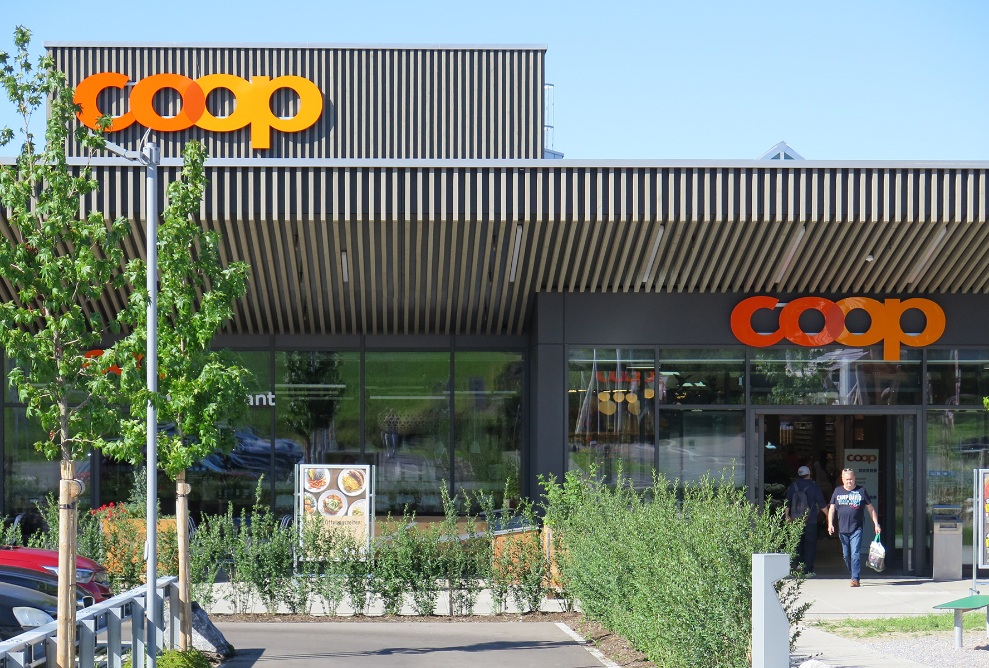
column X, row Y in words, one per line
column 835, row 377
column 694, row 443
column 407, row 422
column 611, row 409
column 957, row 377
column 28, row 476
column 712, row 376
column 318, row 405
column 317, row 415
column 488, row 424
column 957, row 443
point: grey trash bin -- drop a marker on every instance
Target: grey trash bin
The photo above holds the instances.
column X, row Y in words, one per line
column 947, row 542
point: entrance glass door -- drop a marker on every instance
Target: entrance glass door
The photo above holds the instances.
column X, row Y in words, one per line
column 880, row 448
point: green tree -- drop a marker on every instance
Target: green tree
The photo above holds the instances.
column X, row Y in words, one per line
column 200, row 391
column 54, row 265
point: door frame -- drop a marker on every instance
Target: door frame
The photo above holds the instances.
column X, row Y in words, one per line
column 914, row 563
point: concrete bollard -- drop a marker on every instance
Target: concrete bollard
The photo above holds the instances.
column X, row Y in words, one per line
column 770, row 627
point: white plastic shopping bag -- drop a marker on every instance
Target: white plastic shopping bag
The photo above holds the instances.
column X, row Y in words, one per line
column 877, row 556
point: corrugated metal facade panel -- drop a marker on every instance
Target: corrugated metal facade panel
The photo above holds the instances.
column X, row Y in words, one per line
column 400, row 103
column 463, row 249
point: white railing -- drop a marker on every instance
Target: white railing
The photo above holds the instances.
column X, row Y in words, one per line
column 101, row 630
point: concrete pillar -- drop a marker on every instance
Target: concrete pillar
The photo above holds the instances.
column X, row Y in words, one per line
column 770, row 627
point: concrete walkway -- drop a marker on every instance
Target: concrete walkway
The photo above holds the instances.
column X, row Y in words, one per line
column 833, row 598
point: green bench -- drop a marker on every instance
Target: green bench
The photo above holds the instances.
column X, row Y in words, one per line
column 961, row 606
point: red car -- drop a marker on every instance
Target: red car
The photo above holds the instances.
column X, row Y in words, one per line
column 89, row 575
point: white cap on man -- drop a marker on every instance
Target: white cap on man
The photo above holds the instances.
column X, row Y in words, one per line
column 803, row 471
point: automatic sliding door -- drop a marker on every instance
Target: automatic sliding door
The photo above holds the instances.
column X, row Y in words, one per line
column 882, row 448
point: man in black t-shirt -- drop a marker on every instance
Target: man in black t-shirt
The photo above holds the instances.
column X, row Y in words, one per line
column 849, row 502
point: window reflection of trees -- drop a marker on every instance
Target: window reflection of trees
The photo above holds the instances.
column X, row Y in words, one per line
column 313, row 389
column 841, row 376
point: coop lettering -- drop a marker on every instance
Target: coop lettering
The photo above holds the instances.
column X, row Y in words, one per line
column 884, row 323
column 252, row 103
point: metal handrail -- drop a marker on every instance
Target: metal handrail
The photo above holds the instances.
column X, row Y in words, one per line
column 99, row 632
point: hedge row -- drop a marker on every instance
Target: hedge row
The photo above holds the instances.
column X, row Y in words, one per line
column 669, row 568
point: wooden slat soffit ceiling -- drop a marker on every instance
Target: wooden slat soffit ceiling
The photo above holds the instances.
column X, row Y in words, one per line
column 463, row 249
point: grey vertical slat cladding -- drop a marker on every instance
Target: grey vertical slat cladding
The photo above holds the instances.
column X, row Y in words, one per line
column 445, row 237
column 285, row 193
column 400, row 103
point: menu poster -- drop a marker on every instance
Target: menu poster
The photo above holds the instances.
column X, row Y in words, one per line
column 981, row 520
column 342, row 496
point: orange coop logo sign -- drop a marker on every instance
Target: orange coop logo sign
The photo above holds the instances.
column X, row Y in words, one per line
column 884, row 324
column 252, row 106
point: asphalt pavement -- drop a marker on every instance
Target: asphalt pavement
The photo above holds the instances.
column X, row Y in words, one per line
column 407, row 644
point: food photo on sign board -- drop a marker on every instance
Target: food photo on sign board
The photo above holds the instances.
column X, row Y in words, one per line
column 341, row 494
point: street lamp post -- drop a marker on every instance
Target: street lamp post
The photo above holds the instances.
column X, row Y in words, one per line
column 150, row 157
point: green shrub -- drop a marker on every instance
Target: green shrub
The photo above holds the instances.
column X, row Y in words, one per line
column 173, row 658
column 518, row 570
column 465, row 559
column 322, row 562
column 669, row 569
column 210, row 553
column 12, row 535
column 263, row 555
column 91, row 538
column 356, row 567
column 388, row 573
column 421, row 562
column 48, row 540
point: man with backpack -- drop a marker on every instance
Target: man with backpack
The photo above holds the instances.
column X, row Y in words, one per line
column 804, row 503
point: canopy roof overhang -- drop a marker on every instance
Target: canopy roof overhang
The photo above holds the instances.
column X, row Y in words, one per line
column 463, row 247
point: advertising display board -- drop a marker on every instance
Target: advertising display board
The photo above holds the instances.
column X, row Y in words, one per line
column 343, row 495
column 981, row 517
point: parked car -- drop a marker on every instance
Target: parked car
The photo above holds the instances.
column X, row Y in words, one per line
column 43, row 581
column 90, row 575
column 23, row 609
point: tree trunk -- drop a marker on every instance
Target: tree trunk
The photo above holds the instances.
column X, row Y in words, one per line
column 68, row 492
column 185, row 586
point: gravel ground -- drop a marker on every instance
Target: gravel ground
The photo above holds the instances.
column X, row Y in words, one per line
column 932, row 650
column 936, row 651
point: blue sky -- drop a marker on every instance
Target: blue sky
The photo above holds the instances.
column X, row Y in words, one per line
column 839, row 80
